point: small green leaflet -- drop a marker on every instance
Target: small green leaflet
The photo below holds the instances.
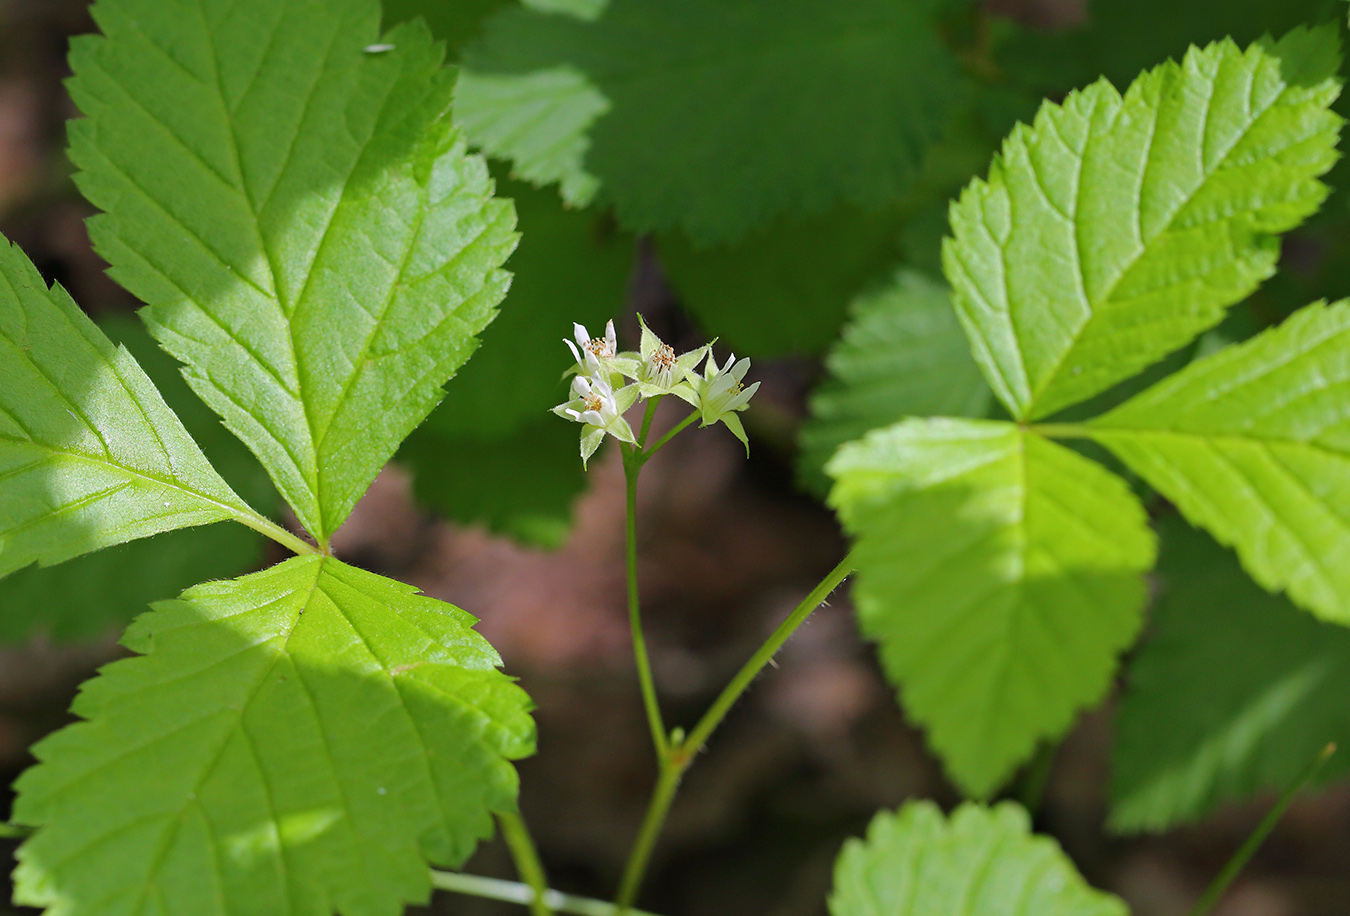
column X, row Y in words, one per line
column 90, row 455
column 1235, row 692
column 784, row 288
column 92, row 595
column 1000, row 573
column 300, row 216
column 303, row 740
column 978, row 862
column 1114, row 230
column 1253, row 444
column 902, row 354
column 714, row 116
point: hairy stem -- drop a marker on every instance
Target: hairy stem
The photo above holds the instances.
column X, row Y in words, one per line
column 515, row 892
column 670, row 434
column 1240, row 858
column 674, row 764
column 526, row 857
column 271, row 529
column 632, row 464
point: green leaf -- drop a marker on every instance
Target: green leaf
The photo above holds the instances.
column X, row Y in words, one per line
column 1001, row 575
column 786, row 287
column 90, row 455
column 979, row 862
column 902, row 354
column 1253, row 444
column 1114, row 230
column 301, row 217
column 453, row 21
column 1236, row 691
column 1119, row 38
column 102, row 591
column 714, row 116
column 521, row 484
column 300, row 741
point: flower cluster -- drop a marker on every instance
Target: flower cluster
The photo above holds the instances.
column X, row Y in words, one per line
column 607, row 383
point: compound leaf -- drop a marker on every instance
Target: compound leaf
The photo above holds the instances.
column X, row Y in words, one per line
column 1000, row 573
column 90, row 595
column 90, row 455
column 303, row 740
column 714, row 116
column 978, row 862
column 1114, row 230
column 1253, row 444
column 1235, row 691
column 300, row 216
column 902, row 354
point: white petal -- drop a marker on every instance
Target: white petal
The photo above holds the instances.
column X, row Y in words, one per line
column 583, row 337
column 610, row 337
column 591, row 418
column 581, row 387
column 573, row 347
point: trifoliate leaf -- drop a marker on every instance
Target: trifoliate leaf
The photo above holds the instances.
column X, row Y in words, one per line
column 784, row 288
column 979, row 862
column 300, row 216
column 1253, row 444
column 1236, row 691
column 90, row 455
column 714, row 116
column 90, row 595
column 1000, row 573
column 1114, row 230
column 902, row 354
column 304, row 740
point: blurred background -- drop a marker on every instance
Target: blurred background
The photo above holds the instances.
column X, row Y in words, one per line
column 728, row 547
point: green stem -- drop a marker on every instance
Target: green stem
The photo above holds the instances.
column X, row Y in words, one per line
column 678, row 759
column 671, row 434
column 722, row 705
column 523, row 851
column 1035, row 776
column 632, row 464
column 647, row 421
column 1243, row 856
column 652, row 822
column 271, row 529
column 515, row 892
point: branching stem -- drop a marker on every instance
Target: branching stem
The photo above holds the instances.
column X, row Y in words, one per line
column 515, row 892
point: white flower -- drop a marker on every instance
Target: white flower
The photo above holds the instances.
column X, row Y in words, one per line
column 598, row 407
column 657, row 369
column 721, row 394
column 604, row 348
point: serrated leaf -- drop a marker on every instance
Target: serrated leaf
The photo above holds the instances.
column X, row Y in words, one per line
column 300, row 216
column 1253, row 444
column 1000, row 574
column 902, row 354
column 1114, row 230
column 300, row 741
column 784, row 288
column 978, row 862
column 90, row 595
column 90, row 455
column 713, row 116
column 1236, row 691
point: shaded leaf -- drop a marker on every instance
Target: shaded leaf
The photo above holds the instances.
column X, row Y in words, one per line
column 902, row 354
column 715, row 116
column 1236, row 691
